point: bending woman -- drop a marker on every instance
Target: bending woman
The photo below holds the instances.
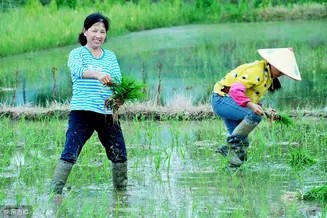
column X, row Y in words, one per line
column 236, row 97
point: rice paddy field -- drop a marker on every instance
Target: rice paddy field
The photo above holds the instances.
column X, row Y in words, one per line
column 173, row 167
column 173, row 170
column 185, row 60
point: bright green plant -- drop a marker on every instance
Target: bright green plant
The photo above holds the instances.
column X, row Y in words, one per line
column 285, row 120
column 279, row 118
column 317, row 193
column 300, row 158
column 127, row 90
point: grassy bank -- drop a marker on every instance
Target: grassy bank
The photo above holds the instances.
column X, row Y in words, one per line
column 49, row 26
column 180, row 109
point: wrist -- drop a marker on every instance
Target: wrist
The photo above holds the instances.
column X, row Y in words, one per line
column 249, row 104
column 97, row 75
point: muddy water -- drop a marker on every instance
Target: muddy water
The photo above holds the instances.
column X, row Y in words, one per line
column 174, row 171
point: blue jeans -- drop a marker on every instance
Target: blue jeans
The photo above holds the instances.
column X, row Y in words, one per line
column 231, row 113
column 82, row 124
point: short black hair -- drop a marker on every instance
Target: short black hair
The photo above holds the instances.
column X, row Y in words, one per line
column 89, row 21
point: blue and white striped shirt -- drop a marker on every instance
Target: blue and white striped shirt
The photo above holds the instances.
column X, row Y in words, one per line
column 90, row 94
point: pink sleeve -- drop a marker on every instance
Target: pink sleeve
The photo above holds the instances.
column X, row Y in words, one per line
column 237, row 92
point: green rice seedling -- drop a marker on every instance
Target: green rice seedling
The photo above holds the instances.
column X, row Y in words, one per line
column 197, row 182
column 157, row 161
column 285, row 120
column 317, row 193
column 279, row 118
column 128, row 89
column 300, row 158
column 169, row 153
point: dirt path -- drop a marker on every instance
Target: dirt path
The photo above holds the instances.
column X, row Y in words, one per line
column 138, row 111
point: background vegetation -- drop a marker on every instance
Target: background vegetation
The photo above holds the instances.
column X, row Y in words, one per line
column 185, row 60
column 29, row 25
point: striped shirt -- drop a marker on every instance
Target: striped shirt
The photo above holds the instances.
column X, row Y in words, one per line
column 90, row 94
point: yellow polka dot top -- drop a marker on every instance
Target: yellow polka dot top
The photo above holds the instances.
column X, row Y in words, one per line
column 254, row 76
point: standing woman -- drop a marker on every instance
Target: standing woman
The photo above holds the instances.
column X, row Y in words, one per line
column 236, row 97
column 92, row 67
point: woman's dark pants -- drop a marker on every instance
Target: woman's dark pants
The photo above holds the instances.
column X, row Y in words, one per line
column 81, row 126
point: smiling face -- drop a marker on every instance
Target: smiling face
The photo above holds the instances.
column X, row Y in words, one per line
column 95, row 35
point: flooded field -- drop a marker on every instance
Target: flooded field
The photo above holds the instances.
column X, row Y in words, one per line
column 173, row 171
column 186, row 60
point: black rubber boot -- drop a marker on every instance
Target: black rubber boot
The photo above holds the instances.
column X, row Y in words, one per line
column 119, row 175
column 60, row 176
column 223, row 150
column 238, row 139
column 235, row 150
column 243, row 153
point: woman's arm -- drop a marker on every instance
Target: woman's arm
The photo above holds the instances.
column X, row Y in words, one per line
column 237, row 93
column 104, row 78
column 78, row 71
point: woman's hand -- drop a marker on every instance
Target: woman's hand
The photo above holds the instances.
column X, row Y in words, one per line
column 104, row 78
column 257, row 109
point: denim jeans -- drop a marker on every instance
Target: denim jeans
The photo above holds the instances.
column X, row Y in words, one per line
column 82, row 124
column 231, row 113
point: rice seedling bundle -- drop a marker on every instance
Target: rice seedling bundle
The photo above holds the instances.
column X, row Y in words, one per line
column 300, row 158
column 317, row 193
column 279, row 118
column 127, row 90
column 285, row 120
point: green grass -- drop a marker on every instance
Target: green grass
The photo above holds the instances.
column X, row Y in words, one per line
column 49, row 27
column 317, row 193
column 170, row 170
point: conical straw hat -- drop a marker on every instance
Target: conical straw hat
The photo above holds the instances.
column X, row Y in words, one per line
column 283, row 59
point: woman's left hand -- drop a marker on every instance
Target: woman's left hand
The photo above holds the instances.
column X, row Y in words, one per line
column 104, row 78
column 257, row 109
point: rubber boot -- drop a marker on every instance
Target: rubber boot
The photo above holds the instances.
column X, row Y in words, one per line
column 242, row 155
column 244, row 144
column 234, row 151
column 119, row 175
column 244, row 128
column 223, row 150
column 60, row 176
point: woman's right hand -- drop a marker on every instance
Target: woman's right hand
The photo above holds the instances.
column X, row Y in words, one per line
column 104, row 78
column 257, row 109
